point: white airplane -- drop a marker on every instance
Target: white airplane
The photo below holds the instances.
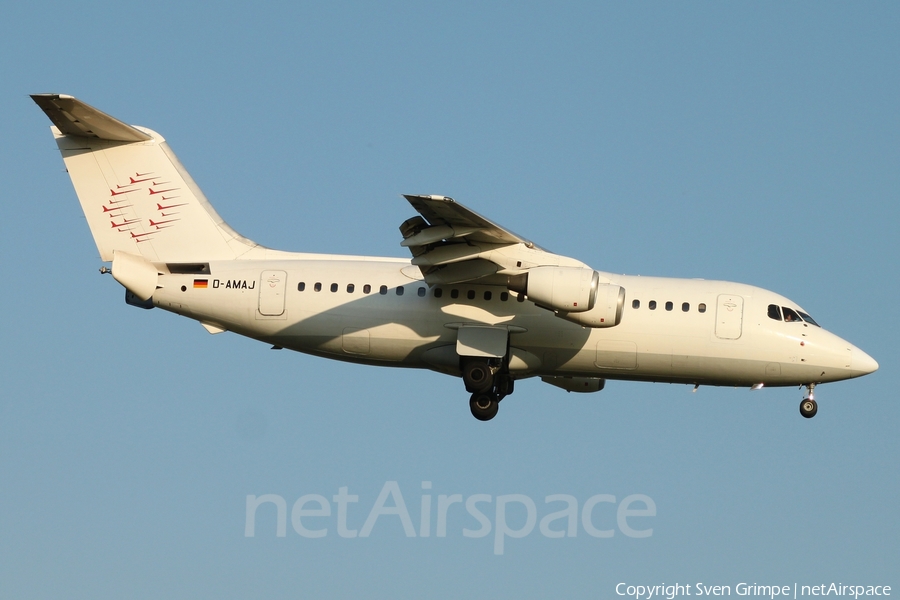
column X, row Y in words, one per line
column 476, row 300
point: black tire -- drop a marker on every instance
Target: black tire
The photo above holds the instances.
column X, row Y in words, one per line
column 808, row 408
column 484, row 407
column 477, row 376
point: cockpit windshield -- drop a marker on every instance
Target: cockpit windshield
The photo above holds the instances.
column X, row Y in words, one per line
column 789, row 315
column 808, row 319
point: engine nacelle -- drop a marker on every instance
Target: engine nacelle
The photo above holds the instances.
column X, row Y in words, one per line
column 607, row 311
column 566, row 289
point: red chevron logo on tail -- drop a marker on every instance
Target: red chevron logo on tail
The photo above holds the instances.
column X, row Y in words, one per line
column 161, row 207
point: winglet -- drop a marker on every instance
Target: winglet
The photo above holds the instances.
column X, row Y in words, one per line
column 73, row 117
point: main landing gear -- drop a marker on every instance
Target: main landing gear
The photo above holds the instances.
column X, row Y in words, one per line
column 488, row 386
column 808, row 407
column 484, row 406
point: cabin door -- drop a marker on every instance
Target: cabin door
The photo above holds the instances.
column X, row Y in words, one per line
column 271, row 293
column 729, row 315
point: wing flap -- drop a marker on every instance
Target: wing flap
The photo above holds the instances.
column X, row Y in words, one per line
column 446, row 254
column 460, row 272
column 436, row 234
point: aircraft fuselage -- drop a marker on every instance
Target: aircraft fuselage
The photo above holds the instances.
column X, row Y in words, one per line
column 349, row 309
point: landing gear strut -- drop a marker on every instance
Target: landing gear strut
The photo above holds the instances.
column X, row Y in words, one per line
column 808, row 407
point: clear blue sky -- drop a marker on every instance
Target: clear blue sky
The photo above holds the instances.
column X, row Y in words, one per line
column 755, row 142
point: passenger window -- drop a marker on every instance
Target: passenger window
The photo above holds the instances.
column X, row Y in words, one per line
column 421, row 292
column 487, row 295
column 685, row 307
column 808, row 318
column 438, row 292
column 454, row 293
column 301, row 286
column 652, row 305
column 669, row 306
column 635, row 304
column 318, row 287
column 470, row 294
column 520, row 298
column 400, row 290
column 350, row 288
column 790, row 316
column 367, row 288
column 334, row 287
column 701, row 308
column 382, row 290
column 774, row 312
column 504, row 296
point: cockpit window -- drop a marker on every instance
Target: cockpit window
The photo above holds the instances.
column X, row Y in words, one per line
column 790, row 316
column 808, row 319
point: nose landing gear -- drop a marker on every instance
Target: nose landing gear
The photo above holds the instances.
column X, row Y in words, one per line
column 808, row 407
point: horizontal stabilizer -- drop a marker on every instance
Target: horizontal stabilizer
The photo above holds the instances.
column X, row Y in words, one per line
column 73, row 117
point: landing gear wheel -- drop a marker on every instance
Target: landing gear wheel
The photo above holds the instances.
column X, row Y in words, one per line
column 478, row 377
column 484, row 407
column 808, row 408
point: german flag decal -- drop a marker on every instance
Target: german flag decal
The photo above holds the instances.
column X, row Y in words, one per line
column 201, row 284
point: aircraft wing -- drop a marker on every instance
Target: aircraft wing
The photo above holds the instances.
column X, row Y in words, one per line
column 441, row 211
column 453, row 244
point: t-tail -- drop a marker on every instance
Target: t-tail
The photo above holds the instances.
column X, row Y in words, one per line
column 142, row 206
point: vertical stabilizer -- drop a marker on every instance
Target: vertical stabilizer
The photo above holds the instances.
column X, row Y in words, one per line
column 136, row 195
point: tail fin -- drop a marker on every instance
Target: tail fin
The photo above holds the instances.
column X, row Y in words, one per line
column 136, row 195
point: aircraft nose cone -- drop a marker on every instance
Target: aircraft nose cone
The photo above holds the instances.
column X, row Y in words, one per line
column 862, row 363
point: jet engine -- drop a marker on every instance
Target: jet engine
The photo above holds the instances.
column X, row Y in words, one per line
column 569, row 289
column 607, row 311
column 572, row 293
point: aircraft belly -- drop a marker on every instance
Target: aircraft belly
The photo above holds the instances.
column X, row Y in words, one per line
column 352, row 337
